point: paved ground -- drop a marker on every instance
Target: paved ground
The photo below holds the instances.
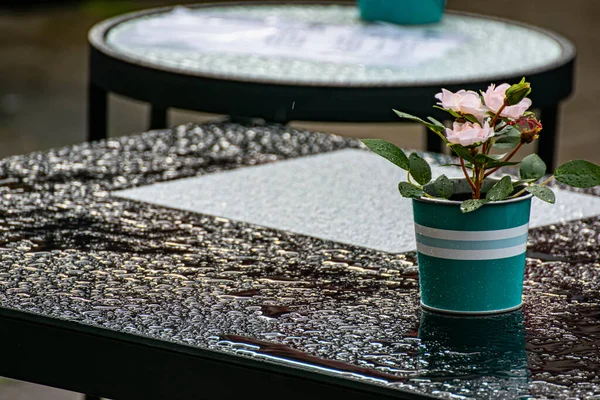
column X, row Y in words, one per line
column 16, row 390
column 43, row 62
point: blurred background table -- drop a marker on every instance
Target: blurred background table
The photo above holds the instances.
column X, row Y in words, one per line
column 283, row 89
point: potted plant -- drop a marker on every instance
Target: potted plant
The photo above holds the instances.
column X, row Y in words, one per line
column 471, row 233
column 405, row 12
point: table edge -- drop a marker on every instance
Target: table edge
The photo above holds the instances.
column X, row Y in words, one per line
column 72, row 329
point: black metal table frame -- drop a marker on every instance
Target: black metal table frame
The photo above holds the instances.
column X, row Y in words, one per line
column 100, row 362
column 275, row 101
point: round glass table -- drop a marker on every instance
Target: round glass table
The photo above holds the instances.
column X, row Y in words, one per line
column 315, row 62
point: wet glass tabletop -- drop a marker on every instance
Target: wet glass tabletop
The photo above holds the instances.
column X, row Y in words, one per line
column 329, row 44
column 70, row 249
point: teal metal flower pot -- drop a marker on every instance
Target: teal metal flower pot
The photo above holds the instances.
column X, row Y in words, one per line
column 405, row 12
column 471, row 263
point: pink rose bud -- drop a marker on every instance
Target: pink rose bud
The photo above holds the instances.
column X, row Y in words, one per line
column 494, row 99
column 464, row 102
column 468, row 133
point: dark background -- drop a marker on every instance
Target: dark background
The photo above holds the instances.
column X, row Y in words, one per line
column 43, row 60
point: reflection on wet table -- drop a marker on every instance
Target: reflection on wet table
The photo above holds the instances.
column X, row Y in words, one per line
column 71, row 250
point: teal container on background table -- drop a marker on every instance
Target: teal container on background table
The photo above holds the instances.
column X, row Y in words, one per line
column 404, row 12
column 471, row 263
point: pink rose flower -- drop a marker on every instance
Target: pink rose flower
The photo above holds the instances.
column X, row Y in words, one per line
column 468, row 133
column 494, row 99
column 466, row 102
column 516, row 111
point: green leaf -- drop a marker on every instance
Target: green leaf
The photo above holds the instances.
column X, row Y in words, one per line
column 472, row 205
column 507, row 138
column 436, row 122
column 451, row 112
column 497, row 157
column 438, row 129
column 388, row 150
column 468, row 166
column 443, row 186
column 578, row 173
column 508, row 130
column 500, row 190
column 491, row 162
column 532, row 167
column 521, row 182
column 495, row 164
column 470, row 118
column 500, row 124
column 409, row 117
column 542, row 193
column 409, row 190
column 419, row 169
column 507, row 144
column 463, row 153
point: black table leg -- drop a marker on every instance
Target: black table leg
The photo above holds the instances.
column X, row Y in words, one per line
column 434, row 143
column 158, row 117
column 549, row 136
column 97, row 112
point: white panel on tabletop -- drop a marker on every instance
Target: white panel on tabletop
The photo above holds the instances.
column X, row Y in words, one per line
column 348, row 196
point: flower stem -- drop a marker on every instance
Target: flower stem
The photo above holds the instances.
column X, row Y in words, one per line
column 478, row 182
column 547, row 180
column 524, row 190
column 508, row 157
column 495, row 119
column 488, row 146
column 462, row 164
column 424, row 193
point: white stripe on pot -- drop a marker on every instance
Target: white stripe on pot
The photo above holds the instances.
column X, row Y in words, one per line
column 471, row 235
column 472, row 244
column 454, row 254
